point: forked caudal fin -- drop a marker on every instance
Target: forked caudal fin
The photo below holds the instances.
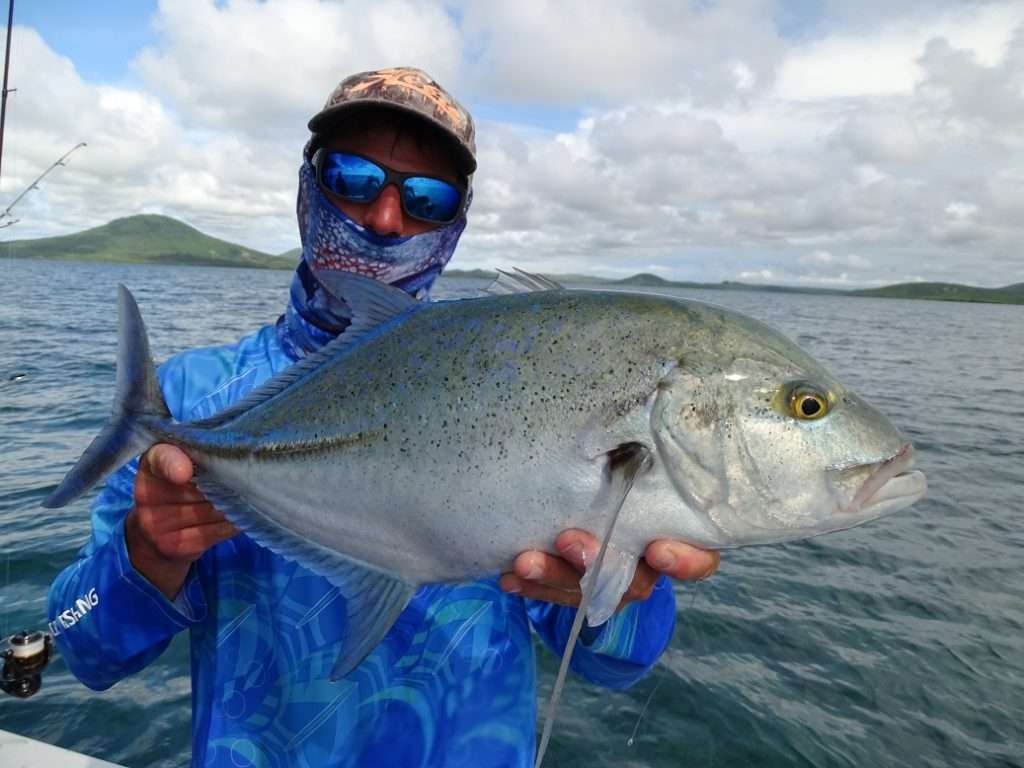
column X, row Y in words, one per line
column 373, row 599
column 138, row 396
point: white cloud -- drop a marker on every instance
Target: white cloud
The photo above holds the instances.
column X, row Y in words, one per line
column 961, row 210
column 881, row 136
column 884, row 59
column 264, row 68
column 610, row 53
column 826, row 268
column 139, row 157
column 761, row 275
column 700, row 144
column 866, row 178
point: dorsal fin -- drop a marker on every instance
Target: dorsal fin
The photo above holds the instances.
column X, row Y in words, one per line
column 279, row 382
column 520, row 282
column 371, row 303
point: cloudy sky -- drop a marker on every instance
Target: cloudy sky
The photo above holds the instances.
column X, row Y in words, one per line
column 825, row 142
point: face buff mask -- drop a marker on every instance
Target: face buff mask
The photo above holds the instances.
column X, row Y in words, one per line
column 332, row 240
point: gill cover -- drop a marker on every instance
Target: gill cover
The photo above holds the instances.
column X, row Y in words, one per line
column 687, row 422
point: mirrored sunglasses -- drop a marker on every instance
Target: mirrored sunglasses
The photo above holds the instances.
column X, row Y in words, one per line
column 360, row 180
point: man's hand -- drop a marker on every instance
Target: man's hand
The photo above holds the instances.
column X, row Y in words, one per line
column 557, row 579
column 172, row 523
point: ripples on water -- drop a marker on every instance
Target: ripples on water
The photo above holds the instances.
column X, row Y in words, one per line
column 900, row 643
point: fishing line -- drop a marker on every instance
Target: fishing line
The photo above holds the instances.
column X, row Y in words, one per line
column 699, row 632
column 7, row 591
column 643, row 711
column 650, row 696
column 587, row 589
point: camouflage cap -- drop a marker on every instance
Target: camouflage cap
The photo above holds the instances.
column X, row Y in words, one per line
column 409, row 90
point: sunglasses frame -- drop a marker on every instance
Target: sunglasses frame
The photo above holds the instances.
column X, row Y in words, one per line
column 391, row 176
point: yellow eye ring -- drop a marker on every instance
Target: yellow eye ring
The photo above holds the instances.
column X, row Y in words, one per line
column 808, row 406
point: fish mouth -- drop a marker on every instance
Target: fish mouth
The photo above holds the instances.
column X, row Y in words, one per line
column 892, row 484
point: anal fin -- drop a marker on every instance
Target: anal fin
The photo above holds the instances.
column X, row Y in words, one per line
column 373, row 602
column 611, row 583
column 373, row 598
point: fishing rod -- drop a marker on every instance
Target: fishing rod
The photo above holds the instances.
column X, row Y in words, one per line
column 6, row 214
column 7, row 68
column 3, row 119
column 25, row 654
column 25, row 658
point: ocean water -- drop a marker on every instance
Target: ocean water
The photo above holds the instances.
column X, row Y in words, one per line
column 900, row 643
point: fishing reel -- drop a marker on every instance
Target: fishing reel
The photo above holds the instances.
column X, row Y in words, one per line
column 25, row 657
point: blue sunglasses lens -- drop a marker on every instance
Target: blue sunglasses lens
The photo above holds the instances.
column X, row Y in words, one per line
column 430, row 199
column 352, row 177
column 360, row 180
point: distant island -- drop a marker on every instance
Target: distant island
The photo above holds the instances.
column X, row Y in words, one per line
column 145, row 239
column 1010, row 294
column 153, row 239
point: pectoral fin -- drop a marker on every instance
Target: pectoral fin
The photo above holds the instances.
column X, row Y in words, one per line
column 610, row 584
column 372, row 302
column 623, row 465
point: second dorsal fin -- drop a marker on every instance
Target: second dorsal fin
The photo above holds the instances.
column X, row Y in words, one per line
column 519, row 281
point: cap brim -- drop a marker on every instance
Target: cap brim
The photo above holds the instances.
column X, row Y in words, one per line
column 322, row 122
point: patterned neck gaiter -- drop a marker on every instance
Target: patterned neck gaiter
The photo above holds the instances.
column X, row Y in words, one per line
column 332, row 240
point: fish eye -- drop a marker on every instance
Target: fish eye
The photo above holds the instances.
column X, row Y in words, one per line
column 808, row 406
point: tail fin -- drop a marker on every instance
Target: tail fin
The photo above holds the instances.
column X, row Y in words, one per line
column 138, row 395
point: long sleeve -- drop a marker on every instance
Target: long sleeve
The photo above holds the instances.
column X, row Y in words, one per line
column 622, row 650
column 108, row 620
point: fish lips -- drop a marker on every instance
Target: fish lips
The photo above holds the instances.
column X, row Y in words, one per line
column 892, row 484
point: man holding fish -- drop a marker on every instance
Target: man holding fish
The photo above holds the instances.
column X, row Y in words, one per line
column 384, row 189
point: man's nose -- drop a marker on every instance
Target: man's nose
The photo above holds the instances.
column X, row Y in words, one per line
column 384, row 215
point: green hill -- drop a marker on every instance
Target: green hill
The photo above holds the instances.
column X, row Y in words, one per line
column 144, row 239
column 1010, row 294
column 644, row 279
column 150, row 239
column 475, row 274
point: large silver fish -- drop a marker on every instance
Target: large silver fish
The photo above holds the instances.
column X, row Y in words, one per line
column 434, row 442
